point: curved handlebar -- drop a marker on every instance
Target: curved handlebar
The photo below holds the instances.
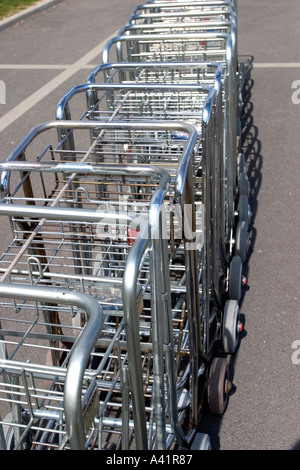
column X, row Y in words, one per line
column 81, row 349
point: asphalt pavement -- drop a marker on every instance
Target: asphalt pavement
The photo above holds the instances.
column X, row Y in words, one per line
column 49, row 51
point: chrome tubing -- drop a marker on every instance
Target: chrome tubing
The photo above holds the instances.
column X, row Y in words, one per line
column 81, row 349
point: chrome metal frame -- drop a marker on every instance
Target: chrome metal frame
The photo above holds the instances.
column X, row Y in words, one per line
column 158, row 255
column 155, row 140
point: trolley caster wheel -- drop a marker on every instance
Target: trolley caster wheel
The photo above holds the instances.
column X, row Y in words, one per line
column 243, row 185
column 239, row 131
column 244, row 209
column 242, row 241
column 235, row 279
column 241, row 164
column 230, row 326
column 219, row 386
column 201, row 442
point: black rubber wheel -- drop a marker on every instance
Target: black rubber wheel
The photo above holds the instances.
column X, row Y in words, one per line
column 242, row 241
column 241, row 164
column 243, row 185
column 235, row 279
column 230, row 326
column 218, row 386
column 244, row 209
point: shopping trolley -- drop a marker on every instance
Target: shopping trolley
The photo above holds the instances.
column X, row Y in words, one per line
column 127, row 102
column 179, row 16
column 160, row 6
column 176, row 17
column 113, row 101
column 186, row 46
column 160, row 73
column 48, row 253
column 49, row 238
column 165, row 102
column 46, row 403
column 117, row 274
column 185, row 108
column 189, row 47
column 181, row 20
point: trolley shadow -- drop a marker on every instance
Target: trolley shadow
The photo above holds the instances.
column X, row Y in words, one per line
column 251, row 147
column 166, row 140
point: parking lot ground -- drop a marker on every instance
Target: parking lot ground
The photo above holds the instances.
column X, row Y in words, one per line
column 48, row 53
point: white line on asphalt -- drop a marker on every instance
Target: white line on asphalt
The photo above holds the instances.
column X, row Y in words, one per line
column 42, row 66
column 280, row 65
column 37, row 96
column 69, row 70
column 260, row 65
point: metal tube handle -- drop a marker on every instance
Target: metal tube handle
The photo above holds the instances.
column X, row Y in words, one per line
column 81, row 349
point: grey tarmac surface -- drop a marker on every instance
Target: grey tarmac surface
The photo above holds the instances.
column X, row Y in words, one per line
column 47, row 53
column 263, row 411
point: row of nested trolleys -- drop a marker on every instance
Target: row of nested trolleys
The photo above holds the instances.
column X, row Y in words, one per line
column 129, row 214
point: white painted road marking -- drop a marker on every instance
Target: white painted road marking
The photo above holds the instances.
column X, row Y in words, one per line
column 281, row 65
column 260, row 65
column 45, row 90
column 69, row 70
column 42, row 66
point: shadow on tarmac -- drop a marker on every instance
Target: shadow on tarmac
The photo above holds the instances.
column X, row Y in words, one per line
column 251, row 147
column 296, row 446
